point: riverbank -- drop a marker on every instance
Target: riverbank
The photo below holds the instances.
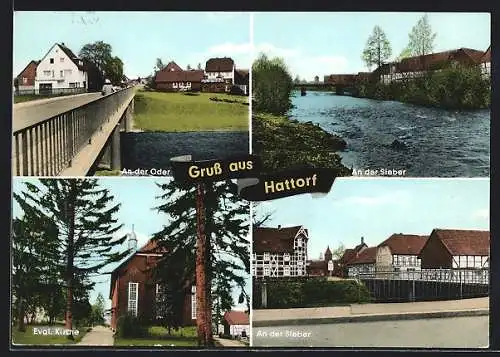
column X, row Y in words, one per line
column 450, row 88
column 284, row 143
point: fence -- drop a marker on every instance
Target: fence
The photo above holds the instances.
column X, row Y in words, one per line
column 47, row 147
column 49, row 91
column 427, row 284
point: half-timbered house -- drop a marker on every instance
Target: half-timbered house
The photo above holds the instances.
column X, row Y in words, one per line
column 467, row 251
column 348, row 255
column 485, row 63
column 364, row 262
column 399, row 253
column 134, row 291
column 279, row 252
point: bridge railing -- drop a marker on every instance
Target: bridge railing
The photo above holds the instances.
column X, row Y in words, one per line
column 48, row 147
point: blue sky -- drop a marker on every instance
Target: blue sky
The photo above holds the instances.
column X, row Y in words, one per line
column 138, row 38
column 326, row 43
column 138, row 197
column 376, row 208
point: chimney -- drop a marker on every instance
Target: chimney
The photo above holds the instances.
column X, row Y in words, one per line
column 279, row 226
column 132, row 241
column 362, row 240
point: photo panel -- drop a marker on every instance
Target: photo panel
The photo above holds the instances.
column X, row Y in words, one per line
column 393, row 94
column 120, row 93
column 125, row 263
column 387, row 263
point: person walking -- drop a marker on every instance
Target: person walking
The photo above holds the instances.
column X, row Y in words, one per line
column 107, row 88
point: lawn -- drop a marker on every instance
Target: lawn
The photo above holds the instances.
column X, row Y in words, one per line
column 159, row 336
column 29, row 338
column 181, row 112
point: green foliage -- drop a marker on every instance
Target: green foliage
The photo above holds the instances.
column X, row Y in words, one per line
column 297, row 293
column 97, row 315
column 100, row 54
column 282, row 143
column 453, row 87
column 272, row 85
column 377, row 49
column 128, row 326
column 421, row 38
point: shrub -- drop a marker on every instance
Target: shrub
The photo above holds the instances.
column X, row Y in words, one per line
column 129, row 326
column 312, row 292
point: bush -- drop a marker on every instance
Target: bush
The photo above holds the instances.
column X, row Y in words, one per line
column 129, row 326
column 312, row 292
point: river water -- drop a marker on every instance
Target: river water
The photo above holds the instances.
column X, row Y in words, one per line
column 426, row 142
column 153, row 150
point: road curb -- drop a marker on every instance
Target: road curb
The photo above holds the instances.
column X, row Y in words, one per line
column 46, row 100
column 372, row 318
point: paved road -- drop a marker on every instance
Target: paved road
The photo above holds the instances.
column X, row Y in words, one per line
column 99, row 336
column 229, row 343
column 28, row 114
column 456, row 332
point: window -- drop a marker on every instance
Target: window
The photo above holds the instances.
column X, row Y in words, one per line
column 51, row 61
column 299, row 271
column 286, row 257
column 46, row 73
column 254, row 256
column 67, row 72
column 299, row 242
column 193, row 302
column 25, row 80
column 72, row 85
column 61, row 74
column 286, row 271
column 267, row 256
column 267, row 271
column 188, row 84
column 133, row 296
column 174, row 85
column 61, row 59
column 53, row 74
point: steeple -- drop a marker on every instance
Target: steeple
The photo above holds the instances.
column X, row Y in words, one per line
column 132, row 240
column 328, row 254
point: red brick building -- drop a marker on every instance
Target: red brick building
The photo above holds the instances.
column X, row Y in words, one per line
column 134, row 291
column 26, row 79
column 173, row 78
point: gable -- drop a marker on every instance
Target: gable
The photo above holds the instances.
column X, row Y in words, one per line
column 58, row 51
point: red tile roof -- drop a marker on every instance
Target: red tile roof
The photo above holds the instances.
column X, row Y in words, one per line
column 487, row 56
column 172, row 66
column 74, row 58
column 179, row 76
column 420, row 63
column 366, row 256
column 464, row 242
column 405, row 244
column 224, row 64
column 274, row 240
column 348, row 255
column 236, row 318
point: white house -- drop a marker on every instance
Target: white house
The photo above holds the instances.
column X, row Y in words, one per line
column 60, row 69
column 219, row 70
column 236, row 323
column 279, row 252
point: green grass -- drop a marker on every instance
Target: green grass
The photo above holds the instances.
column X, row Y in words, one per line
column 105, row 172
column 29, row 338
column 178, row 112
column 158, row 335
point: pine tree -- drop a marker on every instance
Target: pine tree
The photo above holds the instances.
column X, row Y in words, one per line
column 377, row 49
column 84, row 215
column 226, row 248
column 421, row 38
column 34, row 259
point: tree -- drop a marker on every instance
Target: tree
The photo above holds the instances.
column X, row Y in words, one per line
column 100, row 54
column 272, row 85
column 83, row 213
column 316, row 79
column 405, row 53
column 421, row 38
column 338, row 252
column 35, row 259
column 188, row 67
column 377, row 49
column 98, row 308
column 259, row 218
column 159, row 65
column 297, row 80
column 199, row 67
column 225, row 248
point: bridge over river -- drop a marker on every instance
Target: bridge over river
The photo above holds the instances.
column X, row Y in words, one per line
column 69, row 136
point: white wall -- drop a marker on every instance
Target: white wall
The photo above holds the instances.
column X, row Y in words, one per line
column 236, row 330
column 47, row 72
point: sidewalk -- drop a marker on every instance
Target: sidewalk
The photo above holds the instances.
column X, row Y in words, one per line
column 98, row 336
column 370, row 312
column 229, row 343
column 48, row 100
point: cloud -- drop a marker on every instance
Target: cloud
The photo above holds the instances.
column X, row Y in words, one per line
column 481, row 214
column 385, row 199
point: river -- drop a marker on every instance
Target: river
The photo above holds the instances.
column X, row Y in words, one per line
column 429, row 142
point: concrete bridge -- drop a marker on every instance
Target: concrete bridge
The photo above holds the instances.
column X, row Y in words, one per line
column 70, row 136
